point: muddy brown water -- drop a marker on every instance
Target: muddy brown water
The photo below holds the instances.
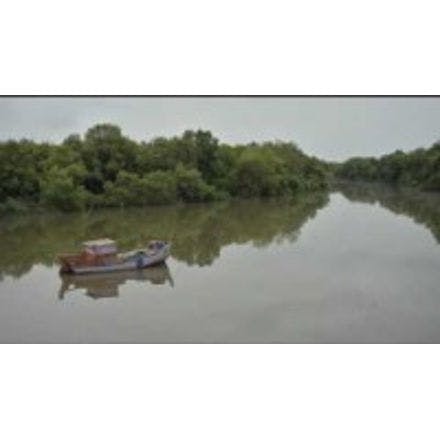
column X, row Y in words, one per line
column 359, row 264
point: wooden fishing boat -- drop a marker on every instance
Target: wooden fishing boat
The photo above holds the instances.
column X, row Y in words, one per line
column 99, row 256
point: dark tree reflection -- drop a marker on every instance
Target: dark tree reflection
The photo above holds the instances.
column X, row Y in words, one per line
column 198, row 232
column 422, row 207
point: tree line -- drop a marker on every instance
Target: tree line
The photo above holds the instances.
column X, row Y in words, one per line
column 106, row 168
column 419, row 168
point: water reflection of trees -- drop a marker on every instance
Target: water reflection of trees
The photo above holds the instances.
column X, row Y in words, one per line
column 422, row 207
column 198, row 232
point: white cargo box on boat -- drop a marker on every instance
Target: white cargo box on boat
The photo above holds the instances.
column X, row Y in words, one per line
column 103, row 246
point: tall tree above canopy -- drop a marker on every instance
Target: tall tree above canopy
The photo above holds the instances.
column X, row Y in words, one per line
column 102, row 133
column 106, row 152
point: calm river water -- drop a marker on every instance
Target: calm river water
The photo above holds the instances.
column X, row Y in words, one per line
column 359, row 264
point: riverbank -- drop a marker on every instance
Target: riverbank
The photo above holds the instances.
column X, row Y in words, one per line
column 15, row 207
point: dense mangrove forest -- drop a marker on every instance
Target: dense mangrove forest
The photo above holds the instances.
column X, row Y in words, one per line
column 104, row 168
column 419, row 168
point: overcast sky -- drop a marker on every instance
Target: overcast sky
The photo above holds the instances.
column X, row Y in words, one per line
column 330, row 128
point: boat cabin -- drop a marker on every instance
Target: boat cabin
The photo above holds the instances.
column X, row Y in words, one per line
column 103, row 247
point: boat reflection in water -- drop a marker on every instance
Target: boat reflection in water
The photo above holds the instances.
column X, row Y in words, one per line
column 106, row 285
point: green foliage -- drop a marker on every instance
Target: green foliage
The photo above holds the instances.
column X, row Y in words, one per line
column 256, row 174
column 358, row 168
column 60, row 192
column 105, row 168
column 191, row 187
column 275, row 169
column 105, row 152
column 156, row 188
column 20, row 166
column 419, row 168
column 12, row 206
